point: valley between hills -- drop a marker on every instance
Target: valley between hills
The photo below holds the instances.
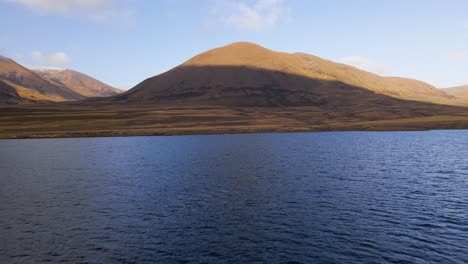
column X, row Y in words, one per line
column 238, row 88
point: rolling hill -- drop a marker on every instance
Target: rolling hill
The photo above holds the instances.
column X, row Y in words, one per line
column 78, row 82
column 459, row 92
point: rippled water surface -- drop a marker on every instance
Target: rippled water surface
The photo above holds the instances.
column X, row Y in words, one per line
column 351, row 197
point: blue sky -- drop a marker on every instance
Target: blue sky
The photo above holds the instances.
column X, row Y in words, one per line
column 123, row 42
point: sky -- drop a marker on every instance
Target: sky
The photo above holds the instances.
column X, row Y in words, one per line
column 123, row 42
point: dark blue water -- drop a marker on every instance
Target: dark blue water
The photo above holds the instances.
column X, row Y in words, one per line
column 357, row 197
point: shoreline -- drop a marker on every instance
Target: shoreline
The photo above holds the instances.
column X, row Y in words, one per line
column 78, row 135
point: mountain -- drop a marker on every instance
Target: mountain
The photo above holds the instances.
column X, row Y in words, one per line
column 245, row 88
column 47, row 85
column 78, row 82
column 460, row 92
column 30, row 86
column 246, row 74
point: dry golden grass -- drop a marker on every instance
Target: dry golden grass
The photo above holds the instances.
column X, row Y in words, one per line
column 460, row 92
column 59, row 120
column 31, row 94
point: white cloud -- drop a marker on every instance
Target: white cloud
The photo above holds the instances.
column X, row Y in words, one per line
column 367, row 64
column 56, row 59
column 260, row 15
column 97, row 10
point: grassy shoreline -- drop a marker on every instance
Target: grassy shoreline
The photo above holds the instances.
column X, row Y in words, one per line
column 68, row 121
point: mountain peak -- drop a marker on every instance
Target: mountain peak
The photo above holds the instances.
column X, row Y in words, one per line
column 243, row 44
column 244, row 54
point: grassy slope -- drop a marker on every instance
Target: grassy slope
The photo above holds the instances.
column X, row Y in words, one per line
column 460, row 92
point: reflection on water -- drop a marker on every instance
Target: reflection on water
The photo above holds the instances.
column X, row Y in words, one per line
column 264, row 198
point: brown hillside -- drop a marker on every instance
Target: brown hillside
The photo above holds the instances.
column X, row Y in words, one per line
column 79, row 82
column 31, row 86
column 245, row 74
column 459, row 92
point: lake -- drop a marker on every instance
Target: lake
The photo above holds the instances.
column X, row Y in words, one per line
column 344, row 197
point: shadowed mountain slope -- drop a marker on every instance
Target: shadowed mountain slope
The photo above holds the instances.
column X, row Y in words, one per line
column 78, row 82
column 8, row 94
column 245, row 74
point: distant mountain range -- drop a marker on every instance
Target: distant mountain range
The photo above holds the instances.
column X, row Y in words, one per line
column 30, row 86
column 78, row 82
column 19, row 84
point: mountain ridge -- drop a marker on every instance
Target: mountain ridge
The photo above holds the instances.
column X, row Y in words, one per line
column 79, row 82
column 31, row 86
column 223, row 70
column 47, row 85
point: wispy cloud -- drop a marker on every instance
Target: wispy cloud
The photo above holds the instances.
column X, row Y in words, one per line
column 253, row 16
column 53, row 60
column 96, row 10
column 366, row 64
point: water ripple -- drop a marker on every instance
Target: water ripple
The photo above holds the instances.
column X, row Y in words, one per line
column 354, row 197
